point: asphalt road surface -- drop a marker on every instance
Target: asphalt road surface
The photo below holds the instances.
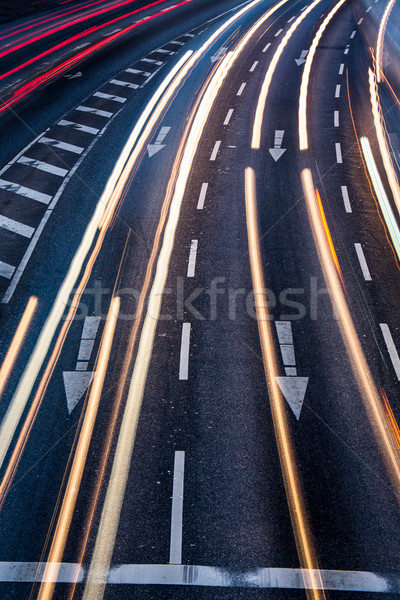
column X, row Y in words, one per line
column 199, row 321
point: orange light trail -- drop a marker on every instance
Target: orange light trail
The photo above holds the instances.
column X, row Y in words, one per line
column 358, row 361
column 328, row 235
column 17, row 342
column 305, row 547
column 71, row 493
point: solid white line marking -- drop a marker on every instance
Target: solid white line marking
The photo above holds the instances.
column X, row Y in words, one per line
column 353, row 33
column 16, row 227
column 278, row 32
column 202, row 197
column 184, row 357
column 346, row 199
column 394, row 356
column 360, row 21
column 24, row 191
column 338, row 149
column 133, row 86
column 228, row 116
column 266, row 47
column 341, row 69
column 119, row 99
column 253, row 66
column 175, row 551
column 215, row 150
column 79, row 127
column 90, row 328
column 363, row 262
column 337, row 91
column 61, row 145
column 192, row 258
column 336, row 118
column 95, row 111
column 42, row 166
column 240, row 90
column 6, row 270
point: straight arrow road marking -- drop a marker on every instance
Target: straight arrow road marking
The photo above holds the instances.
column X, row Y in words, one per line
column 292, row 387
column 302, row 59
column 219, row 54
column 277, row 151
column 152, row 149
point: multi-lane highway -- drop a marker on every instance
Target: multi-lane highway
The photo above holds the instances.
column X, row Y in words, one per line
column 199, row 324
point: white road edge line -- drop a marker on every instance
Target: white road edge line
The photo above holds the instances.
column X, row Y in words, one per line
column 202, row 197
column 363, row 262
column 184, row 357
column 192, row 258
column 175, row 549
column 394, row 355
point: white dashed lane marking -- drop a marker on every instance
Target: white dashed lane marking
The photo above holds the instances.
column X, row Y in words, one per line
column 338, row 149
column 267, row 46
column 253, row 66
column 346, row 199
column 61, row 145
column 363, row 262
column 111, row 97
column 394, row 355
column 341, row 69
column 42, row 166
column 336, row 118
column 278, row 32
column 192, row 258
column 202, row 196
column 16, row 227
column 228, row 116
column 184, row 356
column 21, row 190
column 240, row 90
column 95, row 111
column 127, row 84
column 78, row 127
column 215, row 150
column 337, row 91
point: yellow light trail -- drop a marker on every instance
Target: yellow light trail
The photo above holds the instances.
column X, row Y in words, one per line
column 307, row 555
column 303, row 134
column 259, row 116
column 362, row 373
column 381, row 37
column 17, row 342
column 328, row 236
column 71, row 493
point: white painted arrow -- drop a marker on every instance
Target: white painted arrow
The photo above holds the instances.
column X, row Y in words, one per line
column 294, row 389
column 219, row 54
column 276, row 152
column 76, row 383
column 302, row 59
column 74, row 76
column 157, row 146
